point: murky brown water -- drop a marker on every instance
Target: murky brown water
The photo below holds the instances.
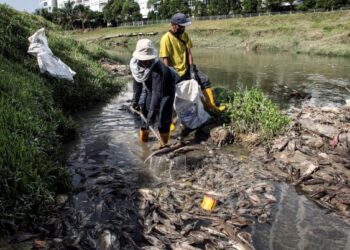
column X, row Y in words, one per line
column 109, row 143
column 109, row 147
column 277, row 75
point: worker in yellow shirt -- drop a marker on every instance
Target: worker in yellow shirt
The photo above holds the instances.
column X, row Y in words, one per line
column 175, row 50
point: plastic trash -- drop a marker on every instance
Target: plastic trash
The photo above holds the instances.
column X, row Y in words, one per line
column 188, row 104
column 48, row 62
column 208, row 203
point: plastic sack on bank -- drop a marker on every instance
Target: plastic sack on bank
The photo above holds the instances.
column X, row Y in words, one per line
column 48, row 62
column 188, row 104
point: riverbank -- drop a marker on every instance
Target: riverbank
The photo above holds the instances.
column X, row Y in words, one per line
column 120, row 202
column 35, row 117
column 312, row 33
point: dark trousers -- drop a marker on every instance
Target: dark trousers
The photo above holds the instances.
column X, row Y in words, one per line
column 163, row 116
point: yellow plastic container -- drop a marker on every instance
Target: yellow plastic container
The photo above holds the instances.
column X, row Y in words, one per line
column 208, row 203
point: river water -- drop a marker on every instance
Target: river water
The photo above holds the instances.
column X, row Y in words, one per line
column 278, row 75
column 108, row 147
column 109, row 141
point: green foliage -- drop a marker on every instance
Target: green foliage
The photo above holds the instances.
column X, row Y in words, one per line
column 72, row 17
column 200, row 9
column 167, row 8
column 119, row 11
column 29, row 144
column 131, row 11
column 251, row 112
column 251, row 6
column 240, row 32
column 33, row 115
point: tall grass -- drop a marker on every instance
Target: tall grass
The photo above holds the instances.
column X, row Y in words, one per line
column 250, row 111
column 34, row 120
column 313, row 33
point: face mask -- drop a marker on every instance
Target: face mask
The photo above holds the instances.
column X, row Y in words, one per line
column 145, row 64
column 180, row 30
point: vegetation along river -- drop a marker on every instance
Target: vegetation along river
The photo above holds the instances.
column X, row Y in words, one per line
column 108, row 169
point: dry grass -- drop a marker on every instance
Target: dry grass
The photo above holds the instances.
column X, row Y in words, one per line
column 315, row 33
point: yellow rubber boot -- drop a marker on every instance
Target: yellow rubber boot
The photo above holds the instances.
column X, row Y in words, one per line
column 172, row 127
column 165, row 138
column 209, row 102
column 144, row 135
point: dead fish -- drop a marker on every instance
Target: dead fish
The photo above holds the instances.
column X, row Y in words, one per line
column 197, row 236
column 246, row 238
column 270, row 197
column 311, row 168
column 105, row 240
column 243, row 204
column 240, row 221
column 183, row 246
column 318, row 194
column 155, row 242
column 343, row 198
column 164, row 150
column 210, row 246
column 189, row 227
column 212, row 231
column 103, row 180
column 20, row 237
column 313, row 182
column 263, row 218
column 147, row 193
column 254, row 199
column 165, row 230
column 183, row 150
column 149, row 248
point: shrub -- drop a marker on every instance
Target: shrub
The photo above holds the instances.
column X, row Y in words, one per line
column 251, row 112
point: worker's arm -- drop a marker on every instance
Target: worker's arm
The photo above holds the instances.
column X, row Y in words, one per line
column 190, row 57
column 137, row 90
column 166, row 61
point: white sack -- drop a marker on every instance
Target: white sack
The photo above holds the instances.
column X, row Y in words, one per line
column 188, row 104
column 48, row 63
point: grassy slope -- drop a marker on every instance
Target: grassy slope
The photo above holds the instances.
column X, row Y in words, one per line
column 33, row 120
column 315, row 33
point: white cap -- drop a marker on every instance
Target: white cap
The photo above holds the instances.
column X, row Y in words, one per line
column 144, row 50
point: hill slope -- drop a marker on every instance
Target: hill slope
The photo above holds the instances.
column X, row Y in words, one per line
column 33, row 115
column 315, row 33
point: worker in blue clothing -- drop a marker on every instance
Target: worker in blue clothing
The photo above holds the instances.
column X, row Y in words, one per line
column 154, row 87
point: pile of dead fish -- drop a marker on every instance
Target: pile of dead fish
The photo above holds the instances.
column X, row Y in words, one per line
column 314, row 155
column 173, row 218
column 111, row 212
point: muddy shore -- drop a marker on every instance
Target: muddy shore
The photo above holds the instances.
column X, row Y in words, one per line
column 111, row 211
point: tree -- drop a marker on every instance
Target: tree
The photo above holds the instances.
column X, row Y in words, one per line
column 235, row 6
column 200, row 9
column 330, row 4
column 83, row 14
column 118, row 11
column 131, row 11
column 112, row 12
column 273, row 5
column 167, row 8
column 250, row 6
column 66, row 15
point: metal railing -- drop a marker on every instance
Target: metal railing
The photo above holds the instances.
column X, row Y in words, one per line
column 247, row 15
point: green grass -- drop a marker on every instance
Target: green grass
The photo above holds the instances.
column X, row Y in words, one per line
column 34, row 116
column 313, row 33
column 250, row 111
